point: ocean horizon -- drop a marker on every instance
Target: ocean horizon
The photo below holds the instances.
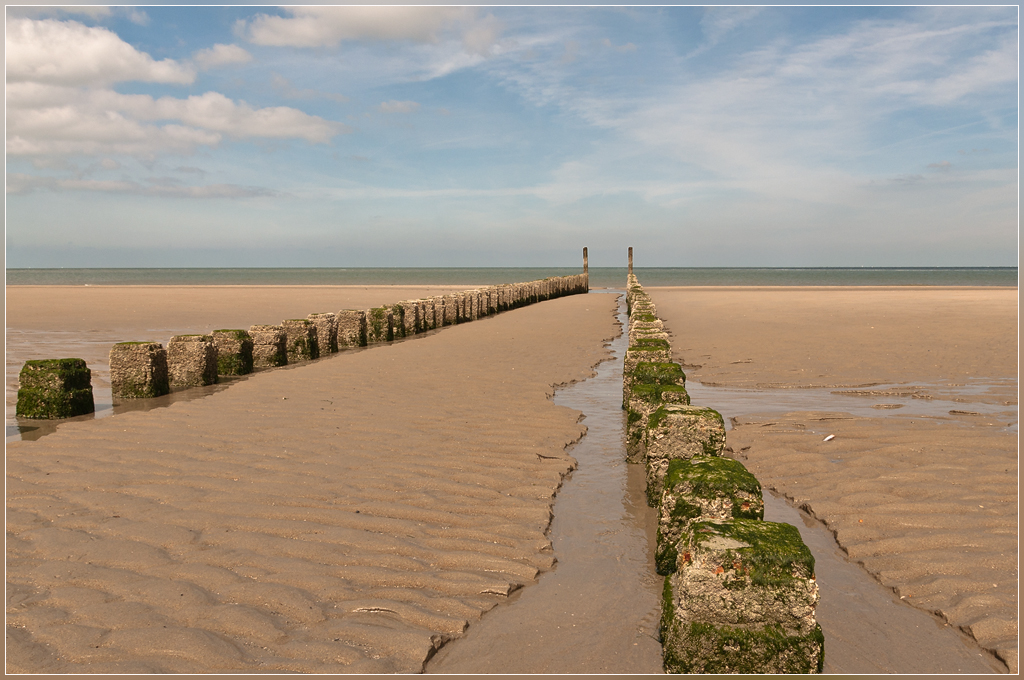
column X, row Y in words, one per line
column 600, row 277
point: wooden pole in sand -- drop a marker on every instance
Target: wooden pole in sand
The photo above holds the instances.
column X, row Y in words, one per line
column 630, row 261
column 584, row 259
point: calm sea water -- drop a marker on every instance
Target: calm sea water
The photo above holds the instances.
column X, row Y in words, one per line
column 600, row 277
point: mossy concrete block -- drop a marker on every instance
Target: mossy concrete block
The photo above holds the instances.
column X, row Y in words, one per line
column 742, row 600
column 191, row 361
column 138, row 370
column 269, row 346
column 646, row 350
column 54, row 388
column 699, row 489
column 326, row 332
column 643, row 400
column 652, row 373
column 677, row 431
column 234, row 351
column 379, row 325
column 705, row 648
column 302, row 340
column 351, row 324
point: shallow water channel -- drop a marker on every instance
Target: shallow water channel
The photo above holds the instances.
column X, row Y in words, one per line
column 598, row 610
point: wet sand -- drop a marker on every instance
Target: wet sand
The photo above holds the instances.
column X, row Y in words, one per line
column 927, row 504
column 47, row 322
column 347, row 515
column 598, row 611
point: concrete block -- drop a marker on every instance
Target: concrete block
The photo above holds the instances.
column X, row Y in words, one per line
column 191, row 361
column 234, row 351
column 351, row 324
column 742, row 601
column 379, row 325
column 138, row 370
column 451, row 313
column 326, row 332
column 54, row 388
column 302, row 341
column 269, row 346
column 410, row 317
column 700, row 489
column 679, row 431
column 644, row 390
column 647, row 350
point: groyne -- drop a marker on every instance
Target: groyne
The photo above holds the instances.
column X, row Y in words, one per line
column 145, row 369
column 739, row 592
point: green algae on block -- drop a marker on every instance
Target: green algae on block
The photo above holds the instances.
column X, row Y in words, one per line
column 351, row 325
column 302, row 340
column 679, row 431
column 326, row 332
column 742, row 601
column 191, row 361
column 698, row 489
column 643, row 400
column 706, row 648
column 138, row 370
column 54, row 388
column 379, row 322
column 269, row 346
column 234, row 352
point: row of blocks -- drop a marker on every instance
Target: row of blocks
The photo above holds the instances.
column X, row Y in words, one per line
column 147, row 369
column 739, row 593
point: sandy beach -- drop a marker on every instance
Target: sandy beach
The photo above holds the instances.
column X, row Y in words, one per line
column 351, row 514
column 926, row 503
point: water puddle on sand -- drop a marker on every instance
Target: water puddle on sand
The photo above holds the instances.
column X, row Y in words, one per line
column 598, row 610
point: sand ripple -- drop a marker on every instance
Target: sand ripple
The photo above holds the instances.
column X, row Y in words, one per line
column 349, row 515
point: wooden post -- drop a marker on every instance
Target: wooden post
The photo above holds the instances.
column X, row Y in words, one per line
column 584, row 259
column 630, row 261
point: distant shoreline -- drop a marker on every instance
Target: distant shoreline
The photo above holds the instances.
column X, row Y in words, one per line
column 600, row 277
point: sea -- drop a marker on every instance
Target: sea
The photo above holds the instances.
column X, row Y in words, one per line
column 600, row 277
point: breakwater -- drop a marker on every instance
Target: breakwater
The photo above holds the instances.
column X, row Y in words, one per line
column 146, row 369
column 739, row 592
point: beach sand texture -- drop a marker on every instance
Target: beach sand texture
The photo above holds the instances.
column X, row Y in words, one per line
column 928, row 505
column 347, row 515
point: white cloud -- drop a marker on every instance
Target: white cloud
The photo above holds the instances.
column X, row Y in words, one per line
column 69, row 53
column 221, row 55
column 59, row 100
column 398, row 107
column 47, row 119
column 327, row 26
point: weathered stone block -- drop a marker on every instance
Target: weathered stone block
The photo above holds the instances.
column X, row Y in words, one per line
column 138, row 370
column 269, row 346
column 191, row 361
column 351, row 324
column 326, row 332
column 302, row 341
column 699, row 489
column 643, row 400
column 54, row 388
column 742, row 601
column 648, row 350
column 654, row 373
column 679, row 431
column 379, row 325
column 409, row 312
column 451, row 313
column 428, row 315
column 234, row 352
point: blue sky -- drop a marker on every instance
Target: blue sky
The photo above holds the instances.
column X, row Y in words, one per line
column 511, row 136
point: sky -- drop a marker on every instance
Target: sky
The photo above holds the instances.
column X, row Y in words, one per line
column 511, row 136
